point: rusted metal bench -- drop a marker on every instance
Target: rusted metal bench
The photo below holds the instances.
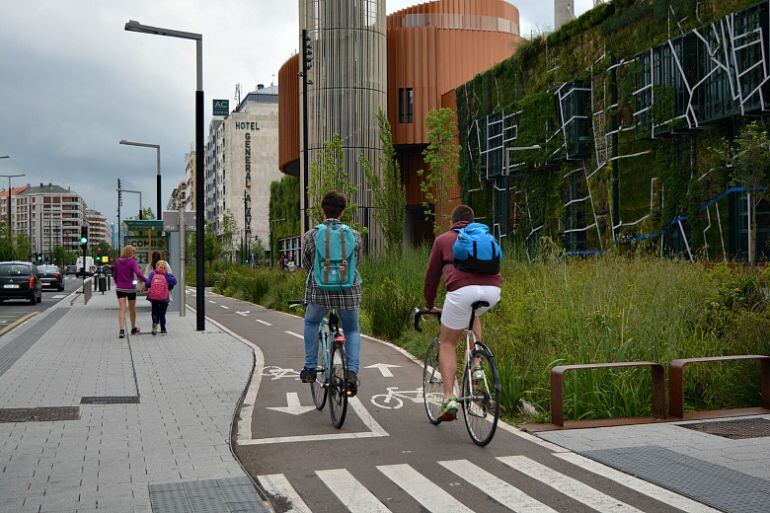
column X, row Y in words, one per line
column 676, row 381
column 557, row 386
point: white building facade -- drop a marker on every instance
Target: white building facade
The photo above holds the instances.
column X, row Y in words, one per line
column 50, row 216
column 99, row 231
column 242, row 162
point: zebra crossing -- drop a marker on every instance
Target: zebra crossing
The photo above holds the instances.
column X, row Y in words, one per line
column 432, row 497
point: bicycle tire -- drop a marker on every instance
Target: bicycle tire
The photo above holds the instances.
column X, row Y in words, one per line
column 319, row 389
column 338, row 397
column 432, row 384
column 481, row 415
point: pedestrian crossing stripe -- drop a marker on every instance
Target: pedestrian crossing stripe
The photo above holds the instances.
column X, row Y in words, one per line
column 356, row 498
column 568, row 486
column 279, row 488
column 504, row 493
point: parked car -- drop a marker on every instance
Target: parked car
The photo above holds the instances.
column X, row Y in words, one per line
column 20, row 280
column 51, row 276
column 71, row 269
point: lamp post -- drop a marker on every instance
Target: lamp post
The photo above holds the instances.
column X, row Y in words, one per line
column 10, row 193
column 159, row 209
column 307, row 64
column 135, row 26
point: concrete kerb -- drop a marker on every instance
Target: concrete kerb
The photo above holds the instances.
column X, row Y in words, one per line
column 243, row 410
column 501, row 424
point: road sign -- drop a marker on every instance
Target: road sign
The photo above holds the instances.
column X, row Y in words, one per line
column 221, row 107
column 171, row 221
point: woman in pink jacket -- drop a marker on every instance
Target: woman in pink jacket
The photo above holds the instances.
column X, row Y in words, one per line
column 127, row 274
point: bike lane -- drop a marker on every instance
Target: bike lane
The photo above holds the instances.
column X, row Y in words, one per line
column 387, row 456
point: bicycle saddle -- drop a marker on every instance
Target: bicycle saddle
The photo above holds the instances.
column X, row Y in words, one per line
column 479, row 304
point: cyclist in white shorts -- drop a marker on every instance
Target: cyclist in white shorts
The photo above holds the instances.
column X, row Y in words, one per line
column 463, row 289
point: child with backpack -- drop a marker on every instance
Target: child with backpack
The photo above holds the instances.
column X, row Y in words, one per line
column 330, row 252
column 468, row 257
column 159, row 283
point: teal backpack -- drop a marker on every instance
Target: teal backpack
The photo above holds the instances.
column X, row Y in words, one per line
column 334, row 243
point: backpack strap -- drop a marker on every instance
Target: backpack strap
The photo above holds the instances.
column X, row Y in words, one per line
column 344, row 268
column 326, row 257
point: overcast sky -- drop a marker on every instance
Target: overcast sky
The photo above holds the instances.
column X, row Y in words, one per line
column 73, row 83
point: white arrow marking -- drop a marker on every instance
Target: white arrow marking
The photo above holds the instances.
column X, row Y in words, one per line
column 293, row 407
column 244, row 313
column 383, row 368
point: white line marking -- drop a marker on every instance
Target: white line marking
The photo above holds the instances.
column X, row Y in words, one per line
column 638, row 485
column 294, row 334
column 225, row 307
column 277, row 484
column 355, row 496
column 568, row 486
column 59, row 296
column 375, row 430
column 266, row 323
column 212, row 302
column 244, row 313
column 504, row 493
column 430, row 495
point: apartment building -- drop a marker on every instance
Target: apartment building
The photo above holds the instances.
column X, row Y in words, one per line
column 99, row 231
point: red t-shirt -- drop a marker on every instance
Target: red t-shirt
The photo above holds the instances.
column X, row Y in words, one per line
column 442, row 261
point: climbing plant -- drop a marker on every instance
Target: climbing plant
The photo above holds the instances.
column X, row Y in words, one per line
column 442, row 157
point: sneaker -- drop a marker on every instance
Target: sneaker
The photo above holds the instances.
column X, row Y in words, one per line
column 307, row 375
column 352, row 382
column 477, row 374
column 448, row 410
column 122, row 334
column 163, row 331
column 135, row 330
column 154, row 328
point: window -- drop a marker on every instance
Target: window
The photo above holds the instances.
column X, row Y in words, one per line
column 406, row 105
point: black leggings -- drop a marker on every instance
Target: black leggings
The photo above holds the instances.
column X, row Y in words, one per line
column 159, row 313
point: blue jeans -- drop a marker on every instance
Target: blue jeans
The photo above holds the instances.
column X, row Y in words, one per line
column 314, row 314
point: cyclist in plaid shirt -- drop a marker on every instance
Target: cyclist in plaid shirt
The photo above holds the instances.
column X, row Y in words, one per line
column 318, row 302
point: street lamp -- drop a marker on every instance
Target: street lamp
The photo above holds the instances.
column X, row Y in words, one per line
column 200, row 215
column 159, row 211
column 10, row 210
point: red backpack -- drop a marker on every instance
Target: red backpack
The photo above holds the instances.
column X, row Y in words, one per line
column 158, row 288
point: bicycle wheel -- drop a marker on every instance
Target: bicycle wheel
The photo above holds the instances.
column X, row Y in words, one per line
column 432, row 384
column 319, row 389
column 481, row 397
column 338, row 398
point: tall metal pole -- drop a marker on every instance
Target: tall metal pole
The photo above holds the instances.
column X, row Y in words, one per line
column 305, row 152
column 182, row 264
column 159, row 211
column 614, row 123
column 120, row 204
column 200, row 225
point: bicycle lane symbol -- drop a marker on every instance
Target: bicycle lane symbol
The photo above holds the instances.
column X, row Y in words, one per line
column 394, row 398
column 274, row 372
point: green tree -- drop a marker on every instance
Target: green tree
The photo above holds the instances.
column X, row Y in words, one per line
column 285, row 211
column 442, row 157
column 327, row 173
column 229, row 228
column 13, row 247
column 212, row 246
column 147, row 214
column 62, row 256
column 748, row 158
column 388, row 190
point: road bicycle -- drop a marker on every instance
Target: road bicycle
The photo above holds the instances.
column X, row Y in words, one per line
column 480, row 392
column 332, row 367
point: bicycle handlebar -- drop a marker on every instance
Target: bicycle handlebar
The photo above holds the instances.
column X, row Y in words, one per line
column 418, row 314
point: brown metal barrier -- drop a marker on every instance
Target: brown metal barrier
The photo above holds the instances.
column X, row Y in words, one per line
column 676, row 383
column 557, row 386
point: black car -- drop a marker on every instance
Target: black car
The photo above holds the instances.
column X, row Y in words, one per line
column 20, row 280
column 51, row 276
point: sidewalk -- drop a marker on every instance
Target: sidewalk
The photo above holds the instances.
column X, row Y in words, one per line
column 133, row 425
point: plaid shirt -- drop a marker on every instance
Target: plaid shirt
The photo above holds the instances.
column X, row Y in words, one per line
column 349, row 299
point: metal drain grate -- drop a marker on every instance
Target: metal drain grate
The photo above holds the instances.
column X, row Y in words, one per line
column 45, row 414
column 733, row 429
column 110, row 399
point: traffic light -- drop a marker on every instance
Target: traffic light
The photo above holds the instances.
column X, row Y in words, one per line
column 39, row 258
column 84, row 238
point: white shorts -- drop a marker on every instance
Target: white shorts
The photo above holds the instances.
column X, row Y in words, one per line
column 456, row 313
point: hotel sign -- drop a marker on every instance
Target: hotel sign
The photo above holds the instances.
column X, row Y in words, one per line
column 221, row 107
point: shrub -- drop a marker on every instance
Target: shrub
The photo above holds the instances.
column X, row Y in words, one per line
column 388, row 308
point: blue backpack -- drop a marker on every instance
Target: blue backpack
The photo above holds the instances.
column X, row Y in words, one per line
column 476, row 250
column 334, row 243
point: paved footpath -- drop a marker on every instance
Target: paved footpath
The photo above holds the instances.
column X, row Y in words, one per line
column 92, row 423
column 388, row 458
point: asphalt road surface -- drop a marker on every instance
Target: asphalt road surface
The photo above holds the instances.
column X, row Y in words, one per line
column 388, row 457
column 14, row 310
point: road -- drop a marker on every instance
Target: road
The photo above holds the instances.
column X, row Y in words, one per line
column 12, row 311
column 387, row 457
